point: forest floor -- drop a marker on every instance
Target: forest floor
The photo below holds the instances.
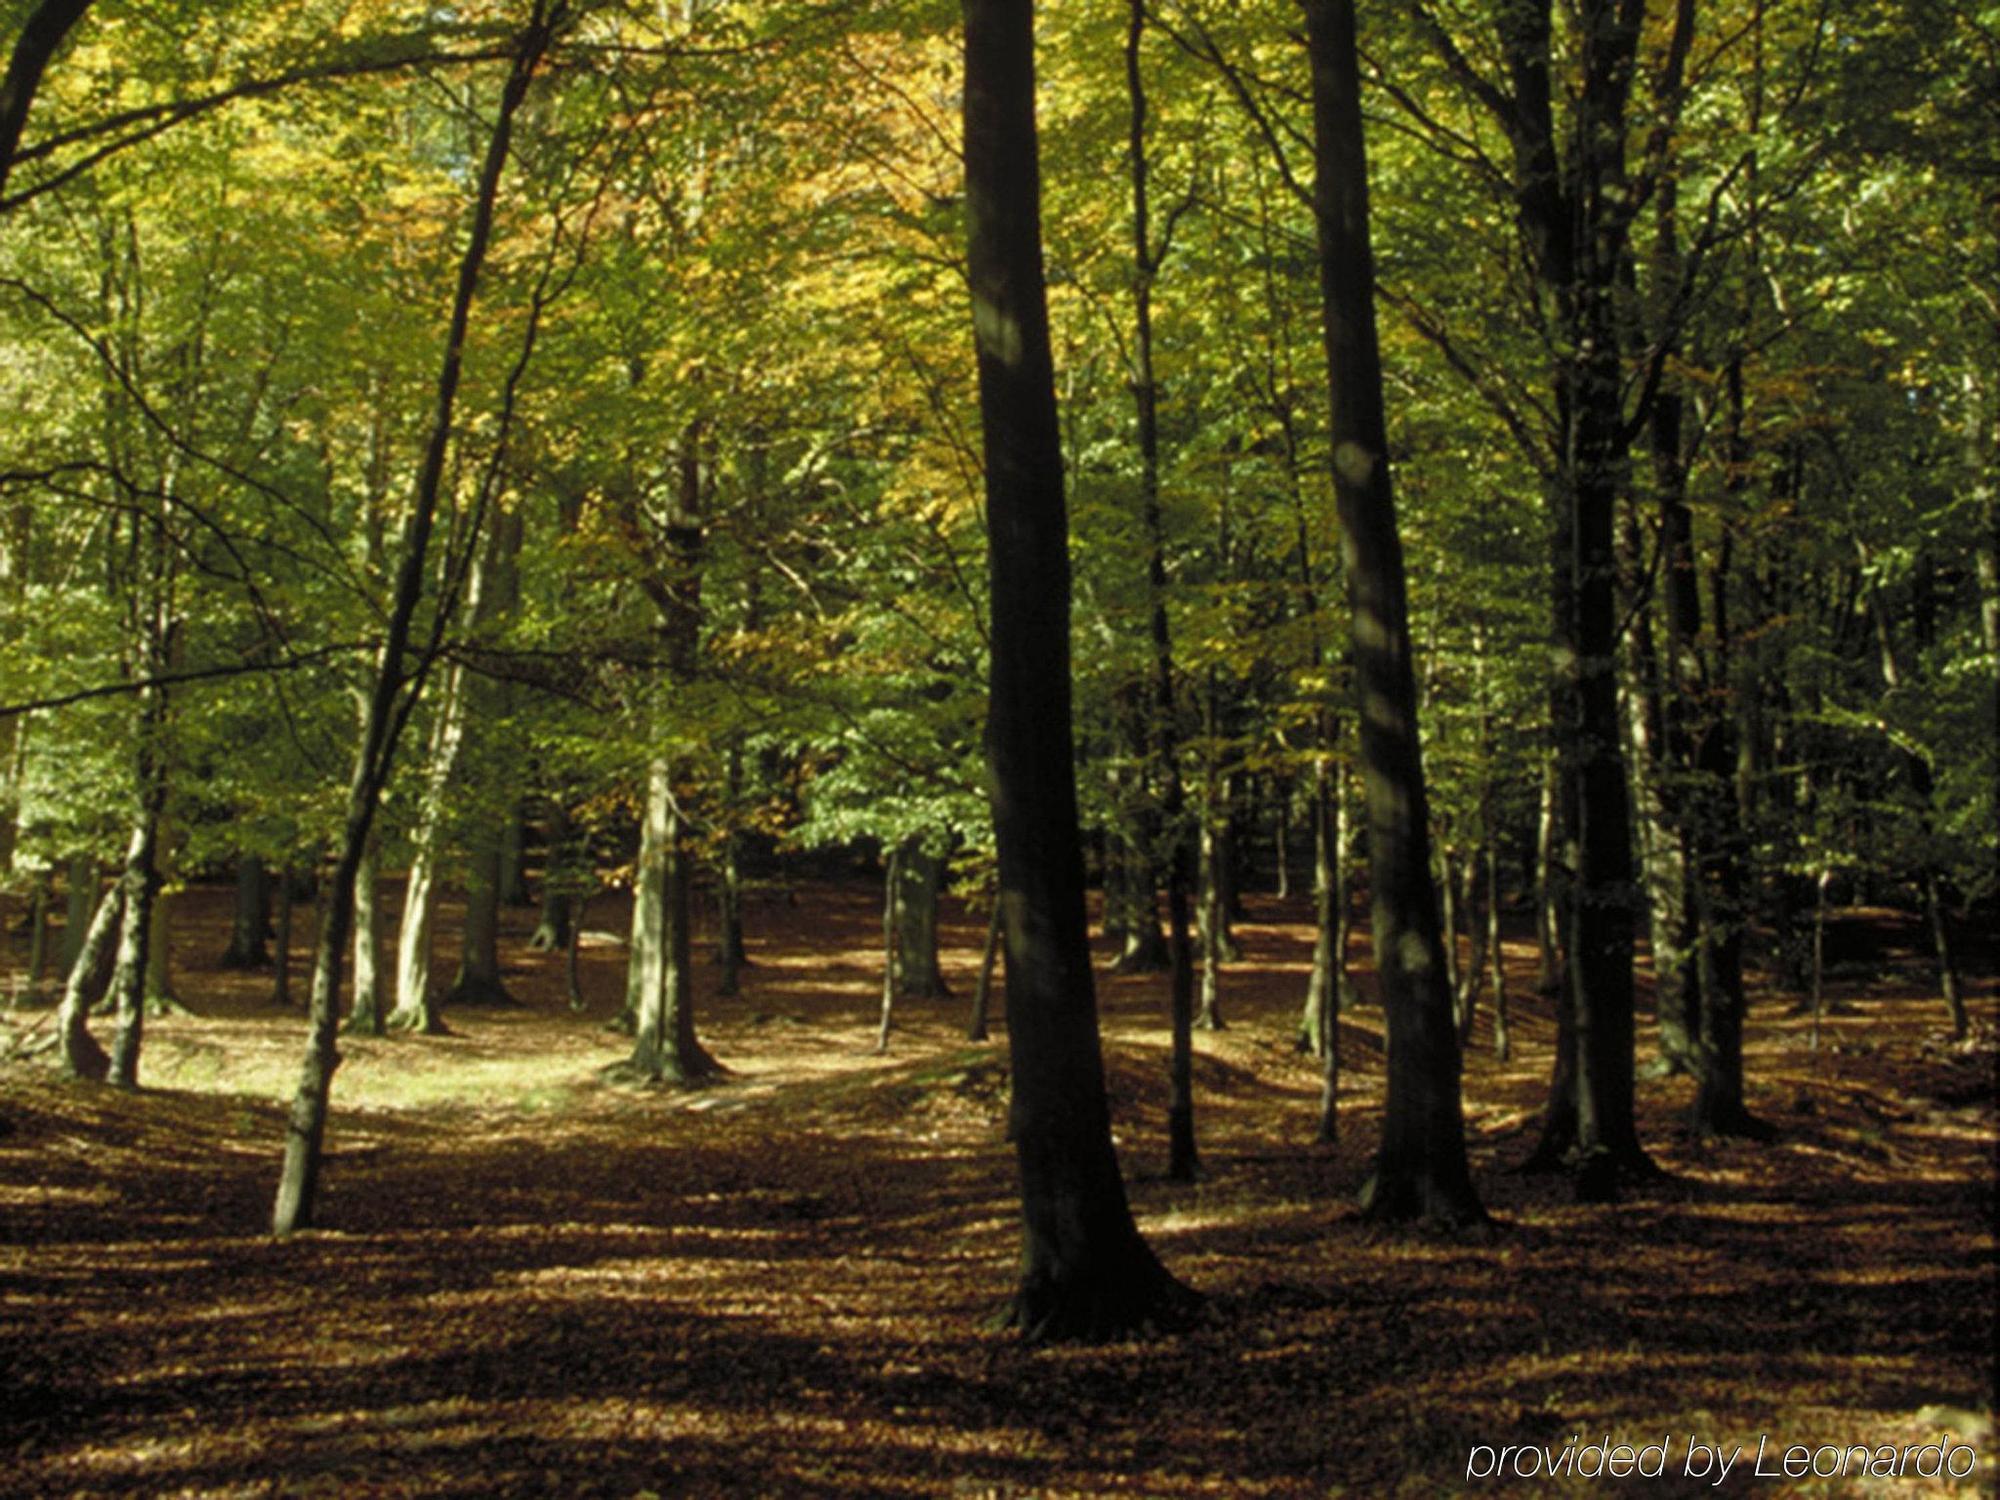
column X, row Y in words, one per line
column 531, row 1282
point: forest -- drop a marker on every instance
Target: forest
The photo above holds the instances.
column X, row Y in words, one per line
column 899, row 747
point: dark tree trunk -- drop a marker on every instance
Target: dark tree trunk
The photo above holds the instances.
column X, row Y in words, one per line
column 1421, row 1170
column 281, row 963
column 1495, row 952
column 38, row 933
column 561, row 867
column 982, row 992
column 1162, row 752
column 252, row 917
column 388, row 706
column 40, row 36
column 918, row 876
column 479, row 981
column 1085, row 1271
column 513, row 884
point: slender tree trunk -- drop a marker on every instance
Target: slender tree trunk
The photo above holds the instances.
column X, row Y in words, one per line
column 82, row 1057
column 730, row 957
column 1421, row 1169
column 571, row 985
column 281, row 965
column 1161, row 741
column 142, row 874
column 892, row 978
column 367, row 1015
column 1548, row 895
column 386, row 715
column 982, row 993
column 1495, row 952
column 1085, row 1272
column 38, row 933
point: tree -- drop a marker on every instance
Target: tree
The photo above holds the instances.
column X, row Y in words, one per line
column 1085, row 1273
column 1421, row 1169
column 397, row 682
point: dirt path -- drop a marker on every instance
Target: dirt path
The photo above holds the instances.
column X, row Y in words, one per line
column 535, row 1284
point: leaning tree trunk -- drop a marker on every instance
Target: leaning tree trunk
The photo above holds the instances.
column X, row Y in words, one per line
column 1085, row 1272
column 42, row 32
column 1421, row 1170
column 388, row 706
column 82, row 1057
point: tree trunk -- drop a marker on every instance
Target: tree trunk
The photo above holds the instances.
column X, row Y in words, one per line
column 1495, row 952
column 918, row 877
column 367, row 1015
column 891, row 955
column 416, row 1007
column 38, row 933
column 478, row 981
column 982, row 993
column 562, row 868
column 1421, row 1170
column 1548, row 892
column 41, row 34
column 281, row 967
column 1085, row 1271
column 513, row 882
column 252, row 917
column 730, row 957
column 385, row 717
column 82, row 1057
column 1209, row 922
column 80, row 900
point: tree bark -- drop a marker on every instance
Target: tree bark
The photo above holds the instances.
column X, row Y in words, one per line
column 891, row 948
column 80, row 900
column 251, row 919
column 82, row 1057
column 919, row 875
column 1085, row 1271
column 1421, row 1170
column 386, row 715
column 982, row 993
column 281, row 964
column 366, row 1015
column 40, row 36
